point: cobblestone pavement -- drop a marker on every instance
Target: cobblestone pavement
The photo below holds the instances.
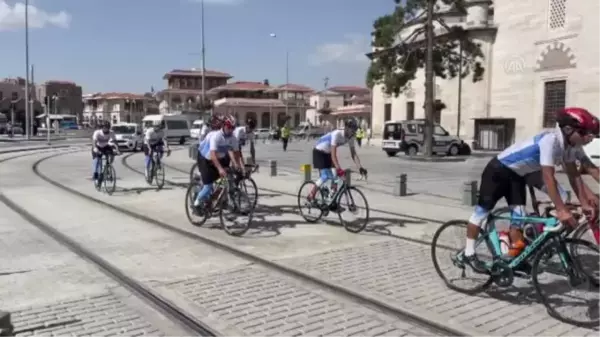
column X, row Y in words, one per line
column 179, row 268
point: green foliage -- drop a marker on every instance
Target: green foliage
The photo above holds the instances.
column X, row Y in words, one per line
column 396, row 63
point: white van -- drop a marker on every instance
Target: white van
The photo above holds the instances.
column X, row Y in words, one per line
column 196, row 128
column 177, row 126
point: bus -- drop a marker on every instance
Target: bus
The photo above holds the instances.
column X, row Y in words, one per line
column 65, row 122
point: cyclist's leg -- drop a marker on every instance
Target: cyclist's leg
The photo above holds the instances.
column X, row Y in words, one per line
column 209, row 174
column 96, row 157
column 147, row 156
column 323, row 162
column 493, row 187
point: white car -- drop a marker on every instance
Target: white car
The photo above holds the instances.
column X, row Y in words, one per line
column 129, row 136
column 593, row 151
column 261, row 134
column 196, row 128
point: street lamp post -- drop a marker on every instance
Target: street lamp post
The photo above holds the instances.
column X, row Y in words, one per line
column 287, row 77
column 27, row 110
column 203, row 58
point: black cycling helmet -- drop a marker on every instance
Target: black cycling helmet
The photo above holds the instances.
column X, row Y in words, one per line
column 251, row 123
column 351, row 124
column 216, row 122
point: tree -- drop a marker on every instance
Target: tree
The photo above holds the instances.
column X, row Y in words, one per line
column 398, row 58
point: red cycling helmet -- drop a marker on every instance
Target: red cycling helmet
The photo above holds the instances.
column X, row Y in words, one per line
column 229, row 121
column 578, row 118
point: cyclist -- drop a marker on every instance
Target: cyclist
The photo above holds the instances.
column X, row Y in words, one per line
column 325, row 152
column 203, row 132
column 103, row 142
column 504, row 176
column 216, row 151
column 154, row 141
column 246, row 134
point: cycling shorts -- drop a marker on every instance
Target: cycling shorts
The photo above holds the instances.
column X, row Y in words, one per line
column 158, row 147
column 499, row 181
column 322, row 160
column 208, row 170
column 101, row 151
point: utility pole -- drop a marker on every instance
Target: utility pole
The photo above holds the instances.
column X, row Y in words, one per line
column 429, row 84
column 203, row 59
column 27, row 111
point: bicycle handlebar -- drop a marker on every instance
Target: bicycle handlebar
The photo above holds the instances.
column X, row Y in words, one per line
column 561, row 226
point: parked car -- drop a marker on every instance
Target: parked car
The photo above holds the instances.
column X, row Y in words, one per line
column 261, row 134
column 409, row 137
column 129, row 136
column 196, row 128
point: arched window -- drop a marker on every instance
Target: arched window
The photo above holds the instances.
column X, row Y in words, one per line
column 265, row 120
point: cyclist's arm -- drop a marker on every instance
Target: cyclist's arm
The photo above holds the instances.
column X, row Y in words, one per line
column 590, row 167
column 165, row 142
column 546, row 146
column 94, row 140
column 236, row 153
column 147, row 136
column 334, row 157
column 213, row 147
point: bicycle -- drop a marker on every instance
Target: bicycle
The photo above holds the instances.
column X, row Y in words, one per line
column 107, row 175
column 246, row 181
column 502, row 270
column 156, row 171
column 227, row 197
column 329, row 199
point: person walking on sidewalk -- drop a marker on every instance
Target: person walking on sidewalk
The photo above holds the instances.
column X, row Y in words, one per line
column 369, row 136
column 360, row 134
column 285, row 136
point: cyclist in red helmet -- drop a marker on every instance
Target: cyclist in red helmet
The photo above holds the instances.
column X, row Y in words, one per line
column 216, row 151
column 504, row 177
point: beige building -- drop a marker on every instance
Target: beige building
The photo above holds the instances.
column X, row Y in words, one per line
column 332, row 105
column 115, row 107
column 540, row 55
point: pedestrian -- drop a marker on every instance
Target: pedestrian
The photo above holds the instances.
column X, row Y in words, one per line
column 9, row 129
column 369, row 135
column 285, row 136
column 360, row 134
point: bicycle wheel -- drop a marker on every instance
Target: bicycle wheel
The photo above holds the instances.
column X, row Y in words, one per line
column 159, row 175
column 452, row 250
column 235, row 212
column 248, row 186
column 193, row 172
column 315, row 204
column 567, row 292
column 346, row 203
column 109, row 179
column 195, row 218
column 582, row 252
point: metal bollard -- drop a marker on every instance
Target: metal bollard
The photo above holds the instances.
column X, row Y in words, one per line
column 273, row 166
column 347, row 177
column 469, row 195
column 307, row 169
column 6, row 326
column 193, row 151
column 400, row 189
column 249, row 161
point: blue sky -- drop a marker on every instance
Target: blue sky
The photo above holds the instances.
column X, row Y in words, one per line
column 127, row 45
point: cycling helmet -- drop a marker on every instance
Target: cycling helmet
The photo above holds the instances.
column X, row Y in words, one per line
column 251, row 123
column 105, row 125
column 351, row 124
column 229, row 121
column 578, row 118
column 216, row 122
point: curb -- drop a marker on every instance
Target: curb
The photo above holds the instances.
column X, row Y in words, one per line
column 433, row 159
column 34, row 148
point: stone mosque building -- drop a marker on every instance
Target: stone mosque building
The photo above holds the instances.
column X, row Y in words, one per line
column 540, row 55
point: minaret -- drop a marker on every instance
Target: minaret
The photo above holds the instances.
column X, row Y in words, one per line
column 477, row 12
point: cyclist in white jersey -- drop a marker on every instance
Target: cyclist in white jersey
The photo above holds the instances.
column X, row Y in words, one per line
column 245, row 134
column 103, row 143
column 154, row 141
column 215, row 153
column 325, row 153
column 504, row 176
column 203, row 132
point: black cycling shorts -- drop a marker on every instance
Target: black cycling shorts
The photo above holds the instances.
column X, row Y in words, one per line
column 154, row 147
column 499, row 181
column 103, row 151
column 322, row 160
column 208, row 170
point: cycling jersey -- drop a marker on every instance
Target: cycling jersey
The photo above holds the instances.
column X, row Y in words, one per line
column 333, row 138
column 544, row 149
column 216, row 141
column 153, row 137
column 203, row 132
column 101, row 139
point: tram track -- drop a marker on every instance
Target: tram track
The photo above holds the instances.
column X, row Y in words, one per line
column 436, row 326
column 412, row 315
column 177, row 315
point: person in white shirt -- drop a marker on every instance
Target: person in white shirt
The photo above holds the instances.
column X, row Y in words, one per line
column 245, row 135
column 215, row 154
column 103, row 143
column 504, row 177
column 154, row 141
column 203, row 132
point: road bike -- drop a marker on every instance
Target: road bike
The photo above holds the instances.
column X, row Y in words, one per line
column 156, row 171
column 227, row 201
column 502, row 270
column 245, row 183
column 331, row 198
column 107, row 175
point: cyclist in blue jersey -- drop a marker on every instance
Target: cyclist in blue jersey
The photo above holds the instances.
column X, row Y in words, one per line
column 325, row 157
column 215, row 154
column 504, row 176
